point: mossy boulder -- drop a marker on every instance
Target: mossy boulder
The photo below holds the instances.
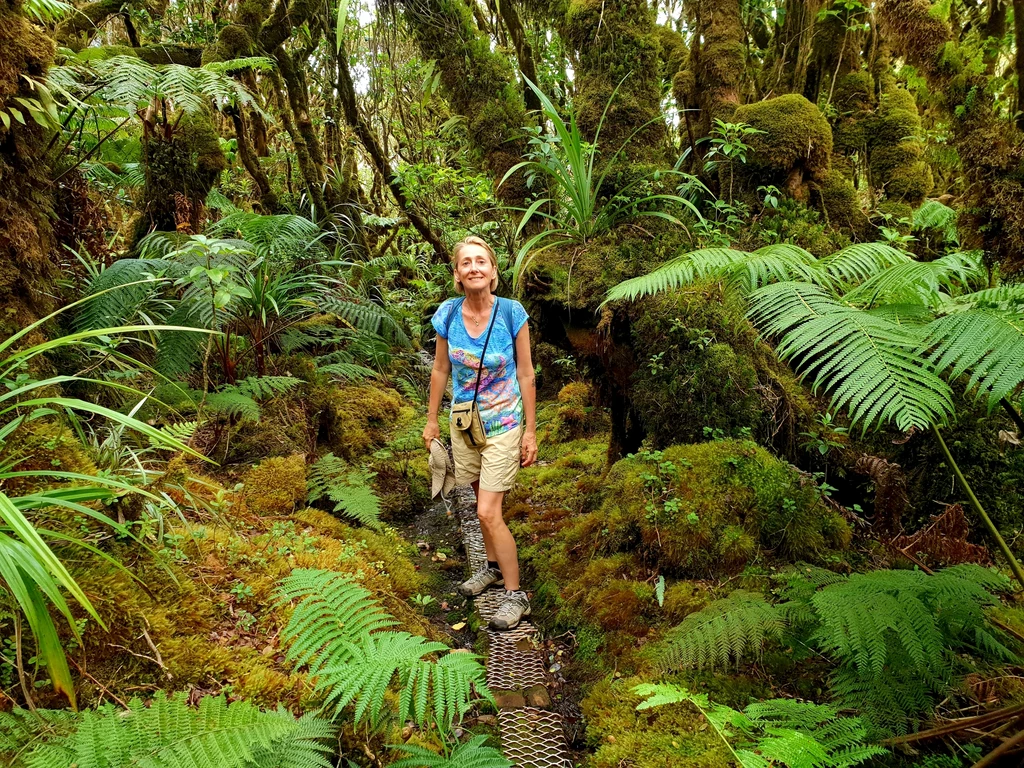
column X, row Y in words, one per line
column 708, row 509
column 837, row 199
column 704, row 368
column 794, row 145
column 896, row 159
column 276, row 486
column 355, row 420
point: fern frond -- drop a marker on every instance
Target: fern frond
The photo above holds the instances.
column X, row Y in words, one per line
column 181, row 432
column 121, row 289
column 472, row 754
column 871, row 365
column 746, row 271
column 725, row 630
column 860, row 261
column 1002, row 297
column 332, row 610
column 348, row 371
column 263, row 387
column 170, row 734
column 365, row 316
column 268, row 234
column 350, row 489
column 234, row 405
column 935, row 215
column 988, row 343
column 919, row 282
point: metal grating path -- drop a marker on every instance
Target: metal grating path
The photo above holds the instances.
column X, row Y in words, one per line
column 531, row 737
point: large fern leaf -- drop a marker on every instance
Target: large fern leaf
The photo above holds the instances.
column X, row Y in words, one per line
column 350, row 489
column 121, row 290
column 170, row 734
column 918, row 282
column 871, row 365
column 726, row 630
column 331, row 610
column 860, row 261
column 935, row 215
column 987, row 343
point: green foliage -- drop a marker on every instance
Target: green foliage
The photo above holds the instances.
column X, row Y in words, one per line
column 935, row 215
column 779, row 732
column 895, row 636
column 725, row 630
column 472, row 754
column 350, row 489
column 337, row 634
column 169, row 734
column 582, row 209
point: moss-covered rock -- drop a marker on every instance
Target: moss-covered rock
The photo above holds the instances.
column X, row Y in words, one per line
column 356, row 419
column 837, row 199
column 707, row 509
column 794, row 146
column 578, row 413
column 276, row 486
column 705, row 368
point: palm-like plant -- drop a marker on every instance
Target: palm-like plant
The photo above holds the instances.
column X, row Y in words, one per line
column 580, row 209
column 29, row 570
column 878, row 330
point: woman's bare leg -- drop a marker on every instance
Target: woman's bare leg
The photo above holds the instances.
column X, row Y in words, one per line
column 498, row 541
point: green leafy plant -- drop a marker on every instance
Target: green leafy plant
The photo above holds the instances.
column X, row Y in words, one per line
column 350, row 489
column 338, row 629
column 779, row 732
column 895, row 636
column 577, row 207
column 170, row 734
column 472, row 754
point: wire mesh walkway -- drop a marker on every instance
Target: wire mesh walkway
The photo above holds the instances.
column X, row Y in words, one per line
column 531, row 734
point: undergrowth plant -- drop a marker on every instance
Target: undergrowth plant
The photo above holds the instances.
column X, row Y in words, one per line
column 577, row 207
column 778, row 732
column 349, row 488
column 167, row 733
column 896, row 638
column 341, row 633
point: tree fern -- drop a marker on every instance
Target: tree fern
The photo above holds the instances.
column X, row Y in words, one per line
column 350, row 489
column 472, row 754
column 724, row 631
column 871, row 365
column 170, row 734
column 774, row 733
column 365, row 316
column 337, row 627
column 988, row 343
column 918, row 282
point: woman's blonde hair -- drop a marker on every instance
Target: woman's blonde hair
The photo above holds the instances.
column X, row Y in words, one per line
column 474, row 240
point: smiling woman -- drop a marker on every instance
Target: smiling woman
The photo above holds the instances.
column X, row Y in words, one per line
column 483, row 343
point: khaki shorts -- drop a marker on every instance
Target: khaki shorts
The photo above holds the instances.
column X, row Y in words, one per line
column 495, row 465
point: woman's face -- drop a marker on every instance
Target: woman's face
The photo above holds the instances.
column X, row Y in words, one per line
column 474, row 269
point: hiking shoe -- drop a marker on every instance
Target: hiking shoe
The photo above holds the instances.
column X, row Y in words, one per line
column 515, row 607
column 480, row 581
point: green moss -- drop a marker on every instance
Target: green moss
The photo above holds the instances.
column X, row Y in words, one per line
column 355, row 420
column 617, row 46
column 578, row 413
column 705, row 509
column 795, row 143
column 276, row 486
column 854, row 101
column 42, row 446
column 672, row 53
column 674, row 736
column 180, row 172
column 705, row 367
column 838, row 201
column 896, row 153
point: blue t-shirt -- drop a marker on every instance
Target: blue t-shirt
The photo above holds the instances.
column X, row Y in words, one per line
column 500, row 402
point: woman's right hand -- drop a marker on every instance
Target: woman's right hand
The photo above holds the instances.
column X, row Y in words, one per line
column 431, row 431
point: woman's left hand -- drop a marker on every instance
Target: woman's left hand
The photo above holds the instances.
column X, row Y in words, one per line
column 528, row 449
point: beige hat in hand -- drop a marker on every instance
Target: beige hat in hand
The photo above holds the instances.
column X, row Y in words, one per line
column 442, row 473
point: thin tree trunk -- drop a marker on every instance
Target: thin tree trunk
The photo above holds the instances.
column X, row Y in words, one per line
column 268, row 200
column 347, row 93
column 306, row 167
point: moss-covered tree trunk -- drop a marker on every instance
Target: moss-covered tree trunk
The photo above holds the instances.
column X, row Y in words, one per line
column 479, row 84
column 26, row 239
column 717, row 59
